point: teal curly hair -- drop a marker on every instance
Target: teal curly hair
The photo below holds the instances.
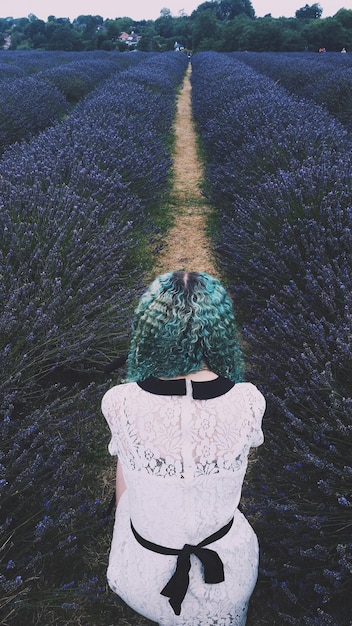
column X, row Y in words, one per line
column 183, row 322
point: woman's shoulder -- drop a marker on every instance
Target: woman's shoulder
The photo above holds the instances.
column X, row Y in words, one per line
column 250, row 391
column 117, row 392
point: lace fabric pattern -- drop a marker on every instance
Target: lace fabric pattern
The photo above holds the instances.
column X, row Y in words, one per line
column 184, row 462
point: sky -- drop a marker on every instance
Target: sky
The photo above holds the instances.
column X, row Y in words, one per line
column 150, row 9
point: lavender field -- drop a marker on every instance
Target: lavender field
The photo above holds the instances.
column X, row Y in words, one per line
column 77, row 204
column 39, row 88
column 279, row 172
column 325, row 79
column 85, row 165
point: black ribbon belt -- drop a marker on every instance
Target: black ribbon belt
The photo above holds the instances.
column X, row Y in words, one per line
column 177, row 586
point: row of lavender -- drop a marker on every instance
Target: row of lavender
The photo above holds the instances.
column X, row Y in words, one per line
column 22, row 63
column 75, row 217
column 278, row 169
column 32, row 102
column 324, row 78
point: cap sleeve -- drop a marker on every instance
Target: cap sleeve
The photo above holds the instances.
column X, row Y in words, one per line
column 111, row 406
column 257, row 407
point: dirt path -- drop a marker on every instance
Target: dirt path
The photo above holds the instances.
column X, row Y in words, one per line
column 187, row 246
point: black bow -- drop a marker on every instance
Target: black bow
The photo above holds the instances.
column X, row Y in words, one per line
column 177, row 586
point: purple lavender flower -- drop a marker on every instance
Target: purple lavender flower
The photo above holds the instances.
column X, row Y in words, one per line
column 278, row 174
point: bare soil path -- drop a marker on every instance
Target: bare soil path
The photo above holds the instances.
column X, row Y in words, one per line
column 187, row 246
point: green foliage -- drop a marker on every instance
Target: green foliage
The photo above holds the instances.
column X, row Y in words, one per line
column 205, row 31
column 344, row 16
column 229, row 9
column 221, row 25
column 312, row 12
column 328, row 33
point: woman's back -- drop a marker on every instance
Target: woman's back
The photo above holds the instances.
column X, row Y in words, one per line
column 183, row 447
column 182, row 552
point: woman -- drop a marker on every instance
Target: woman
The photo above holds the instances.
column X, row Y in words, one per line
column 182, row 553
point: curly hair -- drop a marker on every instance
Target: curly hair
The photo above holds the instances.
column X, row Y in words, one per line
column 183, row 322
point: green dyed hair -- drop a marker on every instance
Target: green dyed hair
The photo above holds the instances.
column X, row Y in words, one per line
column 183, row 322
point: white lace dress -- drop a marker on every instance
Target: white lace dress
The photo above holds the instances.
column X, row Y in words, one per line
column 183, row 447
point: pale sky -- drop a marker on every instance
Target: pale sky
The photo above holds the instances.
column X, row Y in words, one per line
column 149, row 9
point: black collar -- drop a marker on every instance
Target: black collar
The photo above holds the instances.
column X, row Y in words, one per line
column 201, row 390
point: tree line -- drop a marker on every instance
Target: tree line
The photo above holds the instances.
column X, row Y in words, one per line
column 220, row 25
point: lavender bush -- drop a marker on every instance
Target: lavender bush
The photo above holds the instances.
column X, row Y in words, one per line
column 78, row 78
column 10, row 71
column 282, row 187
column 324, row 78
column 50, row 506
column 76, row 214
column 29, row 62
column 32, row 103
column 28, row 105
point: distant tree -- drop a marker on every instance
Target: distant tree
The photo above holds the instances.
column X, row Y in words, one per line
column 107, row 44
column 62, row 36
column 209, row 5
column 4, row 30
column 183, row 30
column 20, row 22
column 16, row 40
column 150, row 42
column 344, row 17
column 263, row 34
column 267, row 36
column 113, row 29
column 236, row 34
column 312, row 12
column 124, row 24
column 292, row 36
column 328, row 34
column 146, row 43
column 34, row 28
column 205, row 27
column 165, row 12
column 89, row 28
column 4, row 23
column 52, row 23
column 221, row 25
column 17, row 32
column 164, row 25
column 228, row 9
